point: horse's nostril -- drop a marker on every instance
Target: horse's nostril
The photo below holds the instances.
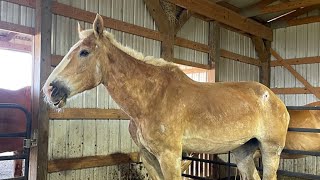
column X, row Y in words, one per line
column 55, row 91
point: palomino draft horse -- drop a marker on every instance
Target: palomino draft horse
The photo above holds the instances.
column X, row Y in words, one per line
column 170, row 112
column 303, row 141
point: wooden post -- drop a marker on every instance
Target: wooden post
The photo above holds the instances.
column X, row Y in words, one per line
column 263, row 50
column 214, row 47
column 41, row 70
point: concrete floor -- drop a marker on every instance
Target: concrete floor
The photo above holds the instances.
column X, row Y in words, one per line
column 6, row 167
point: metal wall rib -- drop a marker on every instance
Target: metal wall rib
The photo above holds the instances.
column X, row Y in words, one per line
column 230, row 70
column 194, row 30
column 17, row 14
column 297, row 42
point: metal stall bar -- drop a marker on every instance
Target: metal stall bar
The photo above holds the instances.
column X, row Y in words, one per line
column 26, row 135
column 303, row 107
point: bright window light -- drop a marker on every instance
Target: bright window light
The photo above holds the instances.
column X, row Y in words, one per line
column 15, row 69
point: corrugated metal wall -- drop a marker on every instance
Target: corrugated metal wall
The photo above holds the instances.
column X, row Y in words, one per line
column 230, row 70
column 195, row 30
column 77, row 138
column 17, row 14
column 295, row 42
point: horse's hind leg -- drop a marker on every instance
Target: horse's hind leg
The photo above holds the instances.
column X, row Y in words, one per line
column 244, row 159
column 270, row 159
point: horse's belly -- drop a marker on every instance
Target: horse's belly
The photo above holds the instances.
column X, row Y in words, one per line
column 211, row 146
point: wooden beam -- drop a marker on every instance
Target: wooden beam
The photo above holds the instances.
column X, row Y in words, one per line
column 292, row 90
column 189, row 63
column 263, row 50
column 283, row 21
column 240, row 58
column 16, row 28
column 87, row 113
column 228, row 6
column 92, row 161
column 41, row 71
column 297, row 61
column 292, row 5
column 296, row 74
column 27, row 3
column 305, row 20
column 86, row 16
column 158, row 15
column 191, row 44
column 214, row 47
column 255, row 8
column 15, row 47
column 225, row 16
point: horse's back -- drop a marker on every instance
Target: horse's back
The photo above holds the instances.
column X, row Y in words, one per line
column 232, row 113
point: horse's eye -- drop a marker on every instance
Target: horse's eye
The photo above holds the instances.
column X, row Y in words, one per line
column 84, row 53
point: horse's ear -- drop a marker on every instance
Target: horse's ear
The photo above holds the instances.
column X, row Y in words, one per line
column 98, row 26
column 80, row 29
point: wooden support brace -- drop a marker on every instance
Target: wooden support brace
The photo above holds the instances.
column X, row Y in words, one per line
column 214, row 48
column 296, row 74
column 263, row 50
column 42, row 69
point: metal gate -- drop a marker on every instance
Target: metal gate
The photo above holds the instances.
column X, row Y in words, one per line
column 26, row 135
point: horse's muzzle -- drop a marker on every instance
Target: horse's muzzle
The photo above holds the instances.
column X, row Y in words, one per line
column 57, row 93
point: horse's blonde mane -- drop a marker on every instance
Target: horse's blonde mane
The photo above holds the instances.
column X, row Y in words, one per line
column 133, row 53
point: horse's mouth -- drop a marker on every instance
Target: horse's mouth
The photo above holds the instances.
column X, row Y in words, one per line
column 60, row 103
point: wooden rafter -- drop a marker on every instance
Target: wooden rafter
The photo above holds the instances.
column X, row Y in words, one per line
column 27, row 3
column 225, row 16
column 305, row 20
column 308, row 86
column 292, row 5
column 229, row 6
column 255, row 8
column 283, row 21
column 296, row 61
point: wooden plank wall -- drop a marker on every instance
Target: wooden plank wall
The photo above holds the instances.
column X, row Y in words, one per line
column 298, row 42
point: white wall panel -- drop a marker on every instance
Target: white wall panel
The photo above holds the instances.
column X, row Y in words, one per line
column 230, row 70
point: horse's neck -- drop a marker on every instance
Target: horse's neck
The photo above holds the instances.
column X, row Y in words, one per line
column 133, row 84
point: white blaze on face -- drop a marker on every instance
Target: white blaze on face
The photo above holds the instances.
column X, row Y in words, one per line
column 162, row 128
column 64, row 62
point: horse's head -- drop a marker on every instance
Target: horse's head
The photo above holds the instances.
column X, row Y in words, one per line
column 80, row 69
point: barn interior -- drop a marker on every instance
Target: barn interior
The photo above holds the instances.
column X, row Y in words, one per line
column 274, row 42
